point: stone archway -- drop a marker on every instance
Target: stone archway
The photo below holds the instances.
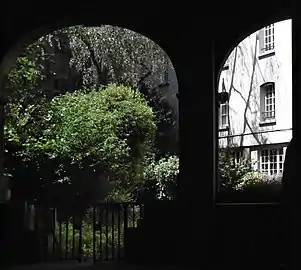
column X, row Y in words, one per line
column 164, row 87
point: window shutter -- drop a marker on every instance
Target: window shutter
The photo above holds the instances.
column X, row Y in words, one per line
column 261, row 40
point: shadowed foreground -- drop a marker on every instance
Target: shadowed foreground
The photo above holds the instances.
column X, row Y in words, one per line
column 87, row 266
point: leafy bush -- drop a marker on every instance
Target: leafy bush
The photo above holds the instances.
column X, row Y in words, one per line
column 114, row 125
column 243, row 178
column 257, row 181
column 66, row 246
column 230, row 173
column 84, row 135
column 160, row 177
column 252, row 180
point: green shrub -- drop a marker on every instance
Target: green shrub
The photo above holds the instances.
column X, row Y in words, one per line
column 87, row 239
column 243, row 178
column 252, row 180
column 257, row 181
column 160, row 177
column 230, row 173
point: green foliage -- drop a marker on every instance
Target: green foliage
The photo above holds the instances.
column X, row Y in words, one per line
column 22, row 83
column 25, row 104
column 121, row 194
column 104, row 128
column 112, row 230
column 110, row 239
column 124, row 58
column 253, row 181
column 231, row 174
column 86, row 134
column 161, row 176
column 242, row 177
column 112, row 126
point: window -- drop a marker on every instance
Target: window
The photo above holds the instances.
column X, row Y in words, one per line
column 224, row 114
column 271, row 161
column 267, row 103
column 267, row 39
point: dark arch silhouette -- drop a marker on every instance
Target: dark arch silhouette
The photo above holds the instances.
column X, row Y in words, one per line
column 222, row 28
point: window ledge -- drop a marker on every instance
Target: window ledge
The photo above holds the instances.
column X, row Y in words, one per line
column 224, row 128
column 267, row 123
column 266, row 54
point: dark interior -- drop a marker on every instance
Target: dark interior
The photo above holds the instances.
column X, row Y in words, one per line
column 198, row 38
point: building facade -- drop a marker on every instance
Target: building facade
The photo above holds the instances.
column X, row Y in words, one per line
column 256, row 122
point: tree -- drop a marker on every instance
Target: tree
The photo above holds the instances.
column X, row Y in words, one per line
column 109, row 54
column 88, row 135
column 100, row 55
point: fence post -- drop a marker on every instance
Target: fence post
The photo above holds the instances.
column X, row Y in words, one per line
column 94, row 235
column 125, row 227
column 73, row 235
column 118, row 231
column 80, row 250
column 66, row 239
column 113, row 232
column 100, row 230
column 60, row 234
column 107, row 231
column 54, row 231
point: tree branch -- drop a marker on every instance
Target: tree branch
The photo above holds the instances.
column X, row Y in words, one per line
column 246, row 120
column 238, row 92
column 230, row 91
column 140, row 83
column 250, row 91
column 102, row 71
column 253, row 133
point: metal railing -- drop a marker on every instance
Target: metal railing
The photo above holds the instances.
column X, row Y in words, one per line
column 93, row 234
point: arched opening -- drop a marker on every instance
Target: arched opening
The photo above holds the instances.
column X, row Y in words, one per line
column 255, row 127
column 60, row 153
column 255, row 123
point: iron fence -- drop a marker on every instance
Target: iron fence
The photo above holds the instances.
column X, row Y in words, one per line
column 96, row 233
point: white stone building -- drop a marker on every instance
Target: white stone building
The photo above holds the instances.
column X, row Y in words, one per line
column 257, row 120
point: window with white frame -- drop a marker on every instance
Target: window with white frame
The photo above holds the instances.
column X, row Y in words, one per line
column 267, row 103
column 224, row 114
column 271, row 160
column 267, row 39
